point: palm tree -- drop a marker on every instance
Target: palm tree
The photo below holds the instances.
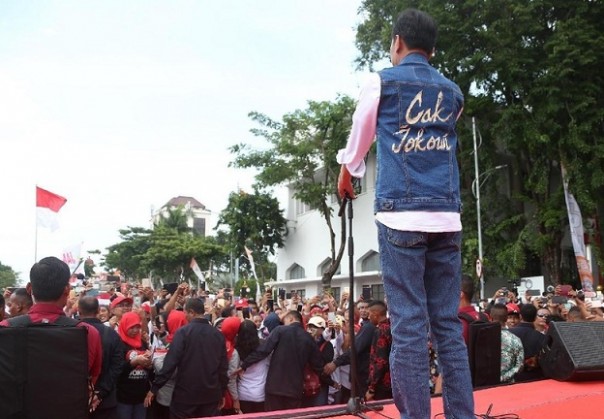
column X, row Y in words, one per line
column 176, row 218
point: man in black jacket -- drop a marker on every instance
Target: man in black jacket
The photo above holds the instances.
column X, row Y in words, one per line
column 532, row 342
column 292, row 348
column 105, row 399
column 362, row 344
column 198, row 354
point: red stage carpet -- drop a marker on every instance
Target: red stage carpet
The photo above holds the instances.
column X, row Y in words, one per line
column 547, row 399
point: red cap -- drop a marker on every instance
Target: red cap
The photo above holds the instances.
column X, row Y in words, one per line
column 119, row 300
column 147, row 307
column 242, row 303
column 513, row 308
column 316, row 310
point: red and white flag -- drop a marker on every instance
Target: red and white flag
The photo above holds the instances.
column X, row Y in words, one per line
column 195, row 267
column 48, row 205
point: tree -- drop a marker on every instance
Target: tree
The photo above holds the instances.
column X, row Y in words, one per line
column 128, row 255
column 302, row 153
column 176, row 218
column 254, row 221
column 8, row 277
column 163, row 252
column 531, row 74
column 170, row 253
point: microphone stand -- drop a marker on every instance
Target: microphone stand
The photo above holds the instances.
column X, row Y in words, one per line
column 355, row 403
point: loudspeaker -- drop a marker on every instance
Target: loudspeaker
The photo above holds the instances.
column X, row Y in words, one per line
column 573, row 351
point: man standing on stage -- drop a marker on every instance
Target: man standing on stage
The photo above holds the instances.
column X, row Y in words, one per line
column 414, row 109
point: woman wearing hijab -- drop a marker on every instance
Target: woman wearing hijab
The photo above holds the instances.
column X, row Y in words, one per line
column 134, row 381
column 270, row 322
column 161, row 403
column 251, row 383
column 230, row 328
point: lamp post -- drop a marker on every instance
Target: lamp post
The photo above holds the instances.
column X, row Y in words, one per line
column 476, row 192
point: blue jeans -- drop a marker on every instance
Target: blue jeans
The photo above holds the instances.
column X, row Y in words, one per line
column 422, row 280
column 131, row 411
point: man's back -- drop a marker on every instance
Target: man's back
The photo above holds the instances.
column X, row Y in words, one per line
column 198, row 352
column 292, row 348
column 44, row 372
column 512, row 355
column 49, row 313
column 113, row 359
column 532, row 342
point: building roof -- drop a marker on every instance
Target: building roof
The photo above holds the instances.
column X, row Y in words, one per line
column 183, row 201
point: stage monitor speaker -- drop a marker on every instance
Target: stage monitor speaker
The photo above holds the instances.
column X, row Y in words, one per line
column 574, row 351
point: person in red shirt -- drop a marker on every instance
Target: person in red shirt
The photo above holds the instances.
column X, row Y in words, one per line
column 49, row 287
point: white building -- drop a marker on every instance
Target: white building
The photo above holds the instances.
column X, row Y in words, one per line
column 301, row 262
column 198, row 216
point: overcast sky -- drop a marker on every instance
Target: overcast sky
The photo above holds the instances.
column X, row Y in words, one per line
column 121, row 105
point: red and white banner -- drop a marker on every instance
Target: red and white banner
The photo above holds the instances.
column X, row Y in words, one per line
column 576, row 232
column 72, row 256
column 48, row 205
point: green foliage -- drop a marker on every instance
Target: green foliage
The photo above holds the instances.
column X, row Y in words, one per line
column 128, row 255
column 301, row 153
column 531, row 73
column 8, row 277
column 163, row 252
column 170, row 253
column 176, row 218
column 256, row 221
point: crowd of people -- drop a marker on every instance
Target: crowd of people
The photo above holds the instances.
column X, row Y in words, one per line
column 192, row 354
column 187, row 353
column 525, row 321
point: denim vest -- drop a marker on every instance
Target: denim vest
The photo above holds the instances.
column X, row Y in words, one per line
column 416, row 139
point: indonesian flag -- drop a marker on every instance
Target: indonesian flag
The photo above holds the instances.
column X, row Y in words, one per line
column 48, row 205
column 196, row 269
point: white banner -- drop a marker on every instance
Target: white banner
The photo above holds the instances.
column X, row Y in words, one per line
column 576, row 231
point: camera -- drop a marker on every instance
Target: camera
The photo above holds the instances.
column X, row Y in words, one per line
column 550, row 288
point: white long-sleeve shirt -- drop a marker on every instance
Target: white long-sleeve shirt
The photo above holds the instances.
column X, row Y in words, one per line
column 362, row 135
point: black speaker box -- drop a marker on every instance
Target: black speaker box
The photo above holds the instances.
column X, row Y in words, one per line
column 574, row 351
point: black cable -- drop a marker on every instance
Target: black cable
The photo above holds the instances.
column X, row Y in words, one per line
column 377, row 411
column 488, row 415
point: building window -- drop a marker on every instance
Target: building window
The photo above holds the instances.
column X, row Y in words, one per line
column 199, row 226
column 296, row 272
column 371, row 262
column 377, row 292
column 336, row 293
column 323, row 267
column 301, row 207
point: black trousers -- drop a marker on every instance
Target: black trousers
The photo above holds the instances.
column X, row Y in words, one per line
column 382, row 393
column 186, row 411
column 251, row 407
column 274, row 402
column 110, row 413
